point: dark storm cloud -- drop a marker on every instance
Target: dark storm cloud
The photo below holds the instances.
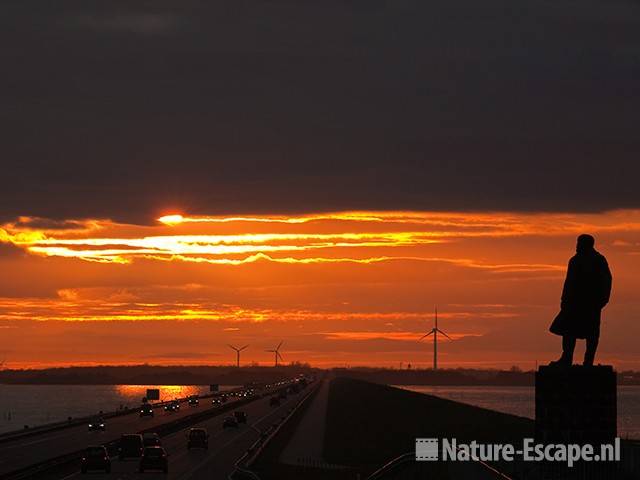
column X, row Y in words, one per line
column 126, row 109
column 134, row 23
column 30, row 223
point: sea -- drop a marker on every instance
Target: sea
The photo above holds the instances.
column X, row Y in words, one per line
column 35, row 405
column 521, row 401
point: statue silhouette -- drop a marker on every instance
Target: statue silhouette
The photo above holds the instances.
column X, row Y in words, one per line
column 586, row 291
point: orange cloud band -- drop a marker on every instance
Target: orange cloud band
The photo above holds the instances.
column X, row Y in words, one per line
column 353, row 233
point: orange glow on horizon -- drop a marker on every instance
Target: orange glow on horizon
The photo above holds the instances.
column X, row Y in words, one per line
column 342, row 287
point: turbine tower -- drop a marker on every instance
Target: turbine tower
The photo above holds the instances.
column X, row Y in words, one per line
column 276, row 353
column 435, row 330
column 238, row 350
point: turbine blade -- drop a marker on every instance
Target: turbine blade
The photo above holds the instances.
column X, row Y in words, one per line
column 440, row 331
column 425, row 336
column 231, row 346
column 279, row 345
column 244, row 347
column 280, row 356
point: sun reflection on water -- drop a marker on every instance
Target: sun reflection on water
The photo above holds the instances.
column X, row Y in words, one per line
column 135, row 393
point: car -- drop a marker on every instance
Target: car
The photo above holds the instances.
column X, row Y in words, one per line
column 131, row 446
column 197, row 438
column 146, row 410
column 151, row 440
column 154, row 458
column 193, row 401
column 97, row 425
column 172, row 407
column 223, row 398
column 274, row 401
column 230, row 422
column 216, row 402
column 95, row 457
column 241, row 416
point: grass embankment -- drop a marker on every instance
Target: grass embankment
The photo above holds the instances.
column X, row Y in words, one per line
column 370, row 424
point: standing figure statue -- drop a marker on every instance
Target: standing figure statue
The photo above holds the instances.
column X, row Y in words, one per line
column 586, row 291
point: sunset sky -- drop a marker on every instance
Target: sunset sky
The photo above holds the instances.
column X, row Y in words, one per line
column 177, row 176
column 339, row 288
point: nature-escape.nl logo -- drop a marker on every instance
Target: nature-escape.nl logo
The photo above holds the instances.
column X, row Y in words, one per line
column 430, row 449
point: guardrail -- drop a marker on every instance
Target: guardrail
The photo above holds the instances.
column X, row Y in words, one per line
column 162, row 430
column 243, row 464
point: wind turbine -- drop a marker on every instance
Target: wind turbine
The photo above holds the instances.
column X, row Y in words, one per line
column 435, row 330
column 276, row 353
column 238, row 350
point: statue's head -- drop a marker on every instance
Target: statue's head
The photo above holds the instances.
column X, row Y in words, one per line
column 585, row 243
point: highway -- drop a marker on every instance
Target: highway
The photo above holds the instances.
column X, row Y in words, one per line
column 225, row 446
column 26, row 451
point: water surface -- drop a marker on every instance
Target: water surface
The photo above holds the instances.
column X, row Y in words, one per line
column 521, row 401
column 40, row 404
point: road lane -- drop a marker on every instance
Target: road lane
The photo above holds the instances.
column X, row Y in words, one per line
column 225, row 447
column 27, row 451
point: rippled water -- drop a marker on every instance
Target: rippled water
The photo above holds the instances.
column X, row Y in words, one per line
column 521, row 401
column 40, row 404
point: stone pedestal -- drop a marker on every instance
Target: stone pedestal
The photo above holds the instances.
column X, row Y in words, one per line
column 576, row 404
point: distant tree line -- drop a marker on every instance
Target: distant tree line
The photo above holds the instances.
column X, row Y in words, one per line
column 153, row 375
